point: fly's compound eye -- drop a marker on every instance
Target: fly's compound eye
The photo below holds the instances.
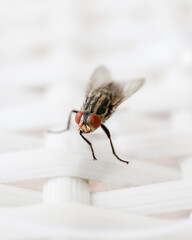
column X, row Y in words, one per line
column 95, row 120
column 78, row 117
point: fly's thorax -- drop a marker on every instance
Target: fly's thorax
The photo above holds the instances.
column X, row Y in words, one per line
column 96, row 109
column 99, row 103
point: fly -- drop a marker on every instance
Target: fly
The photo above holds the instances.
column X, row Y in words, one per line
column 103, row 96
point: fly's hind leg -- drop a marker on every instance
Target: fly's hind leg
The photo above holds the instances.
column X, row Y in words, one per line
column 68, row 124
column 90, row 144
column 105, row 129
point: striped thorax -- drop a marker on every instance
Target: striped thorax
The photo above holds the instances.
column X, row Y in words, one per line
column 96, row 109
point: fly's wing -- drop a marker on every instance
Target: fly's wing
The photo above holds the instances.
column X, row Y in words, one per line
column 124, row 90
column 99, row 77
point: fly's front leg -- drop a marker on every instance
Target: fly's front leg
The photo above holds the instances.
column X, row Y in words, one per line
column 68, row 123
column 109, row 136
column 81, row 134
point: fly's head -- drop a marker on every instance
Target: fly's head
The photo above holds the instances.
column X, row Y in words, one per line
column 88, row 122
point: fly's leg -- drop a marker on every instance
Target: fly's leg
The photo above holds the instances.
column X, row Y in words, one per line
column 68, row 124
column 69, row 120
column 81, row 134
column 109, row 136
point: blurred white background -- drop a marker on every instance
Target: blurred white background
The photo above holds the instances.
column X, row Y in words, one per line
column 48, row 50
column 52, row 47
column 47, row 43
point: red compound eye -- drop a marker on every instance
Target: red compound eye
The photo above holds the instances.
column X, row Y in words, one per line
column 95, row 120
column 78, row 117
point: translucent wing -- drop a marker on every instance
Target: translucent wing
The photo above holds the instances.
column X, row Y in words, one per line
column 99, row 77
column 124, row 90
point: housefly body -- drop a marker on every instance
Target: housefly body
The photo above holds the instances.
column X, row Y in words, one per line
column 103, row 96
